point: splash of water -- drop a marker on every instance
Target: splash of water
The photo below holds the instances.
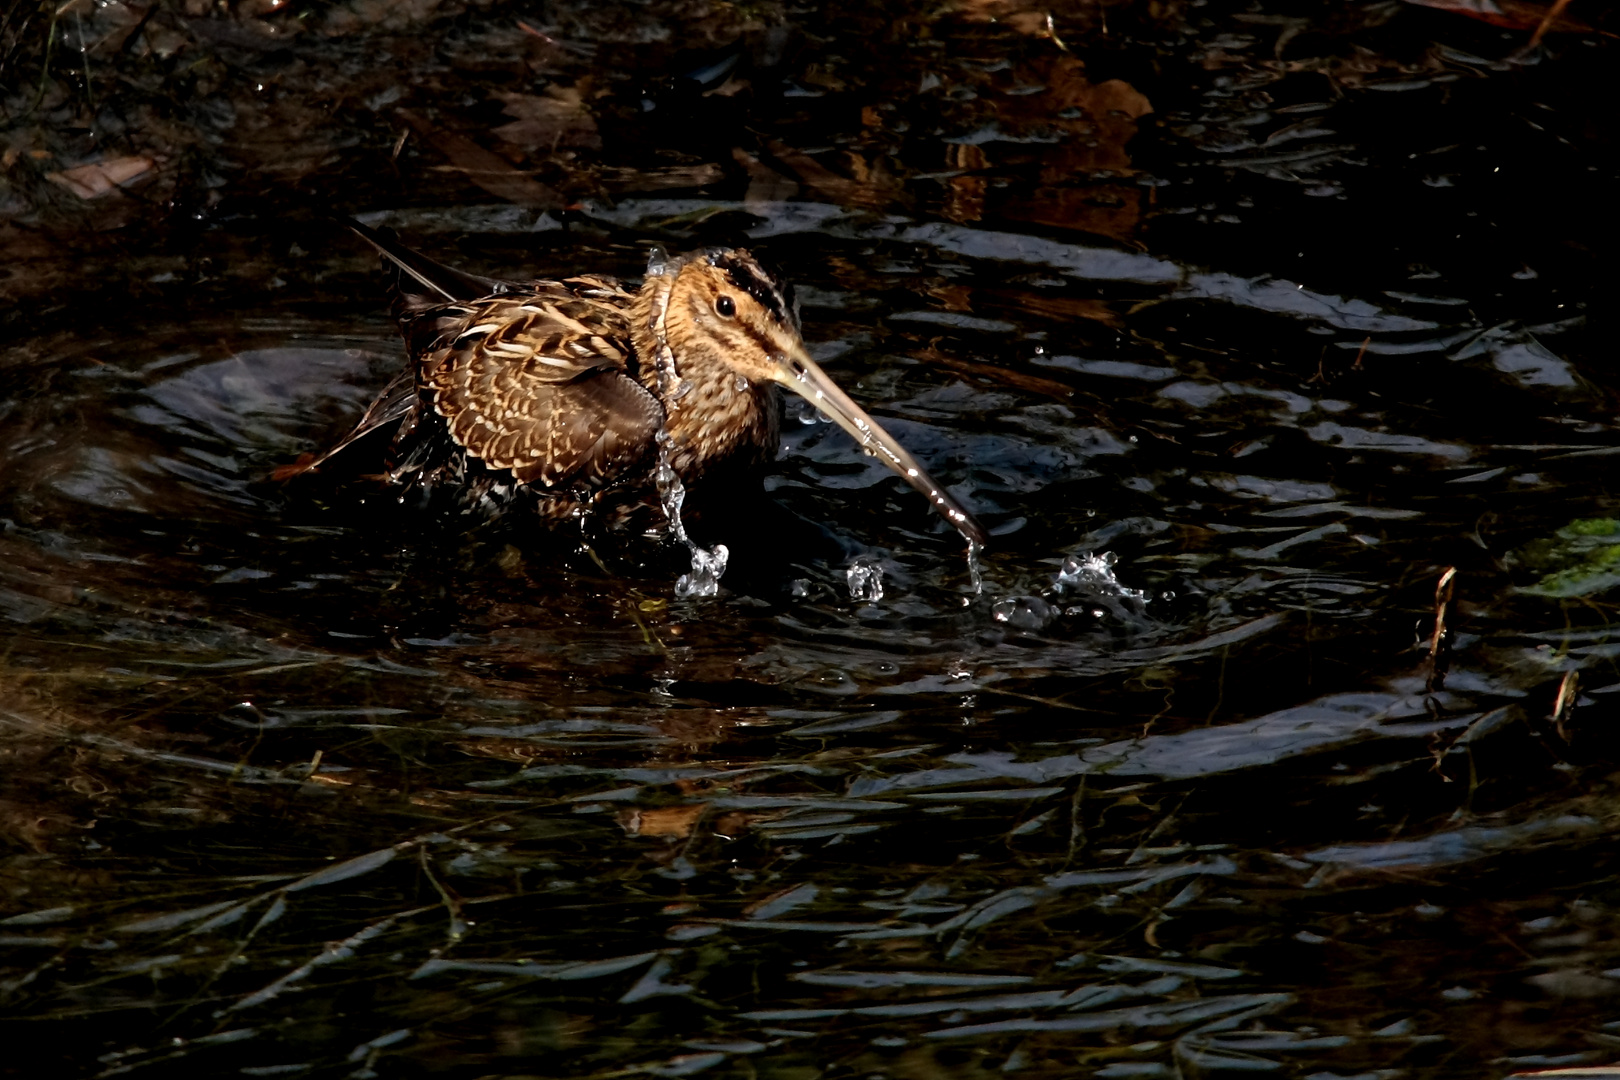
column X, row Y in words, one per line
column 1088, row 582
column 708, row 564
column 865, row 577
column 1090, row 574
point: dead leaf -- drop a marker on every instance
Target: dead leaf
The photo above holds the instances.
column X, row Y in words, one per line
column 499, row 749
column 871, row 185
column 1031, row 384
column 389, row 15
column 730, row 88
column 1112, row 210
column 1034, row 17
column 732, row 825
column 1062, row 308
column 765, row 184
column 674, row 821
column 98, row 178
column 965, row 195
column 485, row 168
column 678, row 176
column 544, row 122
column 1098, row 120
column 115, row 22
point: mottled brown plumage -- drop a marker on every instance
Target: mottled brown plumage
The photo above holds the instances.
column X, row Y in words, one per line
column 568, row 394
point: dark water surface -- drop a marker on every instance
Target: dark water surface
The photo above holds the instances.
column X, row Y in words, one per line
column 1261, row 318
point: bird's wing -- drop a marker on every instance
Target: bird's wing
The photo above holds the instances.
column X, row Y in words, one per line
column 539, row 384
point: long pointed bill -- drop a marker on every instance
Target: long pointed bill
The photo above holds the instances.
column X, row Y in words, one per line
column 796, row 371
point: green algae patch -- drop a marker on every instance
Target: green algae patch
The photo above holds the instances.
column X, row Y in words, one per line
column 1580, row 559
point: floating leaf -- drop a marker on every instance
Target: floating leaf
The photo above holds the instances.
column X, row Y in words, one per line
column 664, row 820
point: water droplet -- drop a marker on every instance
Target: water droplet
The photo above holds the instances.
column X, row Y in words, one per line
column 807, row 414
column 657, row 261
column 1024, row 612
column 865, row 577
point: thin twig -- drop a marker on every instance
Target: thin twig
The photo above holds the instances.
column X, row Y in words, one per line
column 1442, row 601
column 458, row 925
column 1564, row 704
column 1547, row 20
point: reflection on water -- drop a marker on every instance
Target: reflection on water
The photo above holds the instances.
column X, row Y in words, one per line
column 1164, row 781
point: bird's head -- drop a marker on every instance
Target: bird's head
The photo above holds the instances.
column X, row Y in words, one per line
column 720, row 306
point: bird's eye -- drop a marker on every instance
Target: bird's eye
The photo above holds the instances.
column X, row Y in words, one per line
column 725, row 307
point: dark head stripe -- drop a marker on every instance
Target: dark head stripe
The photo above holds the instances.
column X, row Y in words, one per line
column 773, row 294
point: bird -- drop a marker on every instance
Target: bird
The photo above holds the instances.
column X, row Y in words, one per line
column 583, row 398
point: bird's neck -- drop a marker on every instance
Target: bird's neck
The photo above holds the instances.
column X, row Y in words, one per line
column 649, row 321
column 712, row 415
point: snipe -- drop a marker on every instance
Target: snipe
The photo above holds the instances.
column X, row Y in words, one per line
column 573, row 395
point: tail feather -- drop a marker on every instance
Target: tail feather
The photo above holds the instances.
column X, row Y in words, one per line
column 394, row 404
column 443, row 283
column 422, row 290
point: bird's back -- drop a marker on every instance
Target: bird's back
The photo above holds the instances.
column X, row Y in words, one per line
column 533, row 391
